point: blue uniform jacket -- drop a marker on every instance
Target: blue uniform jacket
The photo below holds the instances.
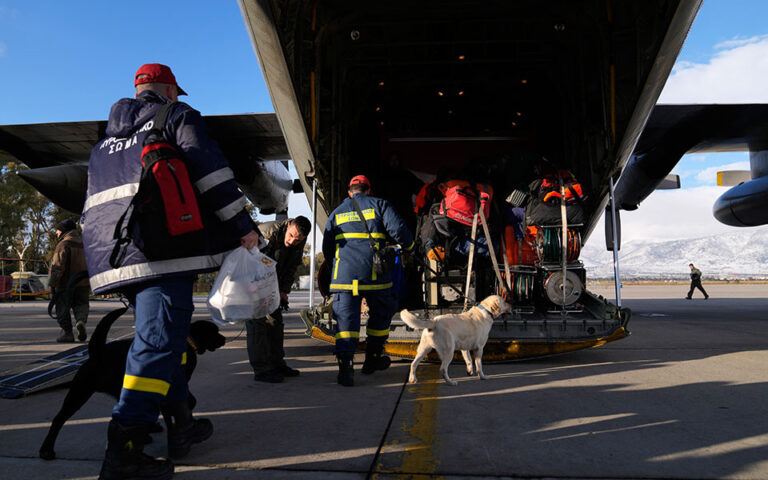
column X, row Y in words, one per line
column 346, row 242
column 114, row 170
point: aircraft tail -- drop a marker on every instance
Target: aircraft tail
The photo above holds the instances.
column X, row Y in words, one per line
column 99, row 336
column 415, row 322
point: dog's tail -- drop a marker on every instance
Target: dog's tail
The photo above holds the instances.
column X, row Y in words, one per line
column 99, row 336
column 415, row 322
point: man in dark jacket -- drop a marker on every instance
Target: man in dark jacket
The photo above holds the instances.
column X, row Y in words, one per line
column 159, row 290
column 69, row 260
column 347, row 241
column 285, row 244
column 696, row 282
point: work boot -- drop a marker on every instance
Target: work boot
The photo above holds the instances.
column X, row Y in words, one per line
column 66, row 336
column 287, row 371
column 374, row 360
column 346, row 374
column 268, row 376
column 81, row 335
column 125, row 459
column 185, row 430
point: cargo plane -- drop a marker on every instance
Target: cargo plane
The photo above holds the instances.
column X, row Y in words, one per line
column 494, row 93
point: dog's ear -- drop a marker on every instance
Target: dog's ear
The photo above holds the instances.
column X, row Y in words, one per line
column 496, row 305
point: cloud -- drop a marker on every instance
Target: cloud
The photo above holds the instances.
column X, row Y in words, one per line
column 674, row 215
column 708, row 176
column 735, row 74
column 739, row 42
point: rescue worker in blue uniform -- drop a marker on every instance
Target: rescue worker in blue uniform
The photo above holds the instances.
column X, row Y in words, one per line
column 353, row 278
column 160, row 291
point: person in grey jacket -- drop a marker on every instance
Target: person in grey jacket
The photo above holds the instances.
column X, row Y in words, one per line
column 285, row 244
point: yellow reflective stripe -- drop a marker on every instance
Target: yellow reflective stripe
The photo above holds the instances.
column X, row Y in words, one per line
column 368, row 214
column 355, row 287
column 376, row 333
column 347, row 335
column 373, row 273
column 143, row 384
column 360, row 235
column 184, row 358
column 336, row 267
column 410, row 247
column 341, row 286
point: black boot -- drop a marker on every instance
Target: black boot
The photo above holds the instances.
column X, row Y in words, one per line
column 185, row 430
column 66, row 336
column 374, row 360
column 346, row 374
column 124, row 458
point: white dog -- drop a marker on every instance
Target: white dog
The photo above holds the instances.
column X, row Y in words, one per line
column 466, row 331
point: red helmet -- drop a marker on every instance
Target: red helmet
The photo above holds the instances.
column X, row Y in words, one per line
column 360, row 180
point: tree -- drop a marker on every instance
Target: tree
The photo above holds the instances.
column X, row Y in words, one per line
column 26, row 218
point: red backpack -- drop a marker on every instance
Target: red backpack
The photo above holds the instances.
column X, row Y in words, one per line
column 163, row 219
column 460, row 200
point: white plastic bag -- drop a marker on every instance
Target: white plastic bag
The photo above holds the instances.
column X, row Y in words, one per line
column 246, row 287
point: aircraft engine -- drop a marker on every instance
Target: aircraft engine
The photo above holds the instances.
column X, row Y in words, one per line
column 744, row 204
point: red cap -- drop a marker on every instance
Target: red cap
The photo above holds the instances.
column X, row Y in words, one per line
column 156, row 73
column 360, row 180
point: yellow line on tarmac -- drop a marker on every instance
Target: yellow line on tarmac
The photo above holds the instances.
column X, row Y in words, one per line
column 419, row 439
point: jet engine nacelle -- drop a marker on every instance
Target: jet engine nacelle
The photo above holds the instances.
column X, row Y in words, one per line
column 744, row 205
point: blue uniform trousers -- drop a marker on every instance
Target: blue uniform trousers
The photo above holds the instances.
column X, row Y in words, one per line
column 346, row 310
column 154, row 369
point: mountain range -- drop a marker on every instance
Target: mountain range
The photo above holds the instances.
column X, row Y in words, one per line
column 741, row 254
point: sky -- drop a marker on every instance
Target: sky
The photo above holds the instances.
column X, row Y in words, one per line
column 69, row 61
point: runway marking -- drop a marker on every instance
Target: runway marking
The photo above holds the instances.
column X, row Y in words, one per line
column 418, row 461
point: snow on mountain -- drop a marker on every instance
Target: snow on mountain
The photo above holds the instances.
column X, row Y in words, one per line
column 742, row 253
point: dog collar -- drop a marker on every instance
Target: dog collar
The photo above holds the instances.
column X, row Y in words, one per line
column 191, row 343
column 484, row 309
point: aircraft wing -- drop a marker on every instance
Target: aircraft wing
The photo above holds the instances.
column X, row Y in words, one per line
column 675, row 130
column 57, row 154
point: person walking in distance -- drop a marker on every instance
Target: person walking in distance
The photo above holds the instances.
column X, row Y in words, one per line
column 696, row 282
column 69, row 261
column 160, row 291
column 347, row 240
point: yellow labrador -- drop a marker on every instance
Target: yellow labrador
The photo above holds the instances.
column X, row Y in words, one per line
column 466, row 331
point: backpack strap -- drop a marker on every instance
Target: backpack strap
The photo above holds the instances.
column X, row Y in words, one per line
column 158, row 124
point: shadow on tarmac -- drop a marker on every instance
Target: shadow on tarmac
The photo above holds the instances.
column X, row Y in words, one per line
column 683, row 397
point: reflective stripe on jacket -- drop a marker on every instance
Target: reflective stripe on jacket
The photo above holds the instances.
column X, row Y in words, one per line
column 113, row 177
column 346, row 242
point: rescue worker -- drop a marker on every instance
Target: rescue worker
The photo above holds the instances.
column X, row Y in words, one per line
column 696, row 282
column 160, row 291
column 353, row 278
column 69, row 260
column 285, row 245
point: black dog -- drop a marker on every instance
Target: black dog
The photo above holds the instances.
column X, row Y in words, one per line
column 105, row 368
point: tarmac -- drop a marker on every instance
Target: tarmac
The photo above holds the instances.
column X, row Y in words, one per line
column 683, row 397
